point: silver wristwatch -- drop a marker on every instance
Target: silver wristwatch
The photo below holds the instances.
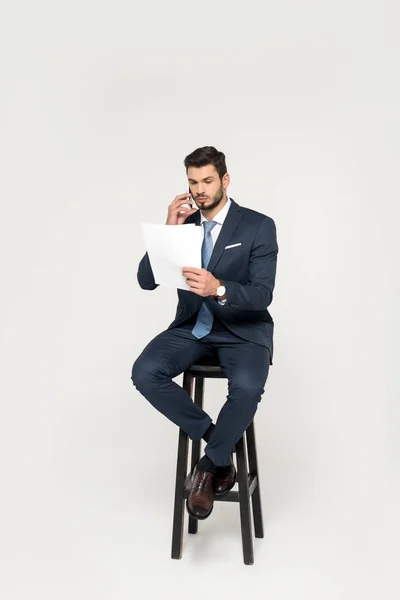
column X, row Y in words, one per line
column 221, row 291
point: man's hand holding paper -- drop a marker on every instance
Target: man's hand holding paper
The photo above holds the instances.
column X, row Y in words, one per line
column 201, row 281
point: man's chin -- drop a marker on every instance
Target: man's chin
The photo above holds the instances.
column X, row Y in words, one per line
column 209, row 205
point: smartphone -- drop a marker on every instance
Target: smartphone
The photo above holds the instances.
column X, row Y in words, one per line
column 190, row 201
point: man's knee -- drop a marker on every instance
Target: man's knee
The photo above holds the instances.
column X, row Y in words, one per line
column 145, row 372
column 246, row 388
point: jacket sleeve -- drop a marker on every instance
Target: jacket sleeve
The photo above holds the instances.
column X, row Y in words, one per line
column 145, row 274
column 257, row 293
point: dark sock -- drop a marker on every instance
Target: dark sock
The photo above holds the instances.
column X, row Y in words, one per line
column 207, row 435
column 206, row 464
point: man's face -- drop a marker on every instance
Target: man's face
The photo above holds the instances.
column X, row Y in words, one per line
column 204, row 182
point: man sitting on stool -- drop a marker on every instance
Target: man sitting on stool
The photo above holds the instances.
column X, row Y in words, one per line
column 223, row 315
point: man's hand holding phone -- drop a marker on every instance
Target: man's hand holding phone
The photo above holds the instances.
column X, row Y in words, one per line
column 177, row 212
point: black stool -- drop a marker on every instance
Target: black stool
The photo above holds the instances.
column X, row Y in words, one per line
column 247, row 471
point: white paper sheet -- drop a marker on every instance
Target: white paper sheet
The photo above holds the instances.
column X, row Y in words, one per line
column 171, row 247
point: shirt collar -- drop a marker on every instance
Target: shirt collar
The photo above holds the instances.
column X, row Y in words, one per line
column 219, row 217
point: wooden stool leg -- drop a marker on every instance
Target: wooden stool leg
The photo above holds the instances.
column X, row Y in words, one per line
column 253, row 468
column 244, row 503
column 181, row 470
column 196, row 444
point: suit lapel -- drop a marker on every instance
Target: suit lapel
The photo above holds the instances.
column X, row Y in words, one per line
column 228, row 228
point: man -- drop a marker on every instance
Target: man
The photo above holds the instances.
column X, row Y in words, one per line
column 224, row 315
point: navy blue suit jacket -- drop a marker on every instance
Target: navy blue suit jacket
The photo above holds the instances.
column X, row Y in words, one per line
column 247, row 270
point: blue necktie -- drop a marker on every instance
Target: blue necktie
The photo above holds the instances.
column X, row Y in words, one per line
column 205, row 317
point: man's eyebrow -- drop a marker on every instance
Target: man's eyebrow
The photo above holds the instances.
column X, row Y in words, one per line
column 209, row 177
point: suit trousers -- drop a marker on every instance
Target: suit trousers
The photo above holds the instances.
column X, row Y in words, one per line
column 244, row 363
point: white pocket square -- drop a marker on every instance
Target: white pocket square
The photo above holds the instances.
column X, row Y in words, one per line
column 233, row 245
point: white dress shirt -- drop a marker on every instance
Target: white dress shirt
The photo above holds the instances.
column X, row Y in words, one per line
column 219, row 219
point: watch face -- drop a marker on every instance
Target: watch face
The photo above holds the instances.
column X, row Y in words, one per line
column 221, row 290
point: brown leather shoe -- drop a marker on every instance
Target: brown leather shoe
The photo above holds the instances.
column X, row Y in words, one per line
column 224, row 479
column 201, row 498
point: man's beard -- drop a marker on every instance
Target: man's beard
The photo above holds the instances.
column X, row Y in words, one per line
column 217, row 199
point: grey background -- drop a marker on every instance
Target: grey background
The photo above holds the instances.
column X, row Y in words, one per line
column 99, row 105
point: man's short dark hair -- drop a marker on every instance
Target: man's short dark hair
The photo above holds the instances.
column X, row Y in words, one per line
column 208, row 155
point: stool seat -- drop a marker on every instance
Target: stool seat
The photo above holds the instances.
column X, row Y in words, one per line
column 248, row 480
column 207, row 367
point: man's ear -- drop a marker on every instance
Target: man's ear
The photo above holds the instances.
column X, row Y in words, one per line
column 226, row 180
